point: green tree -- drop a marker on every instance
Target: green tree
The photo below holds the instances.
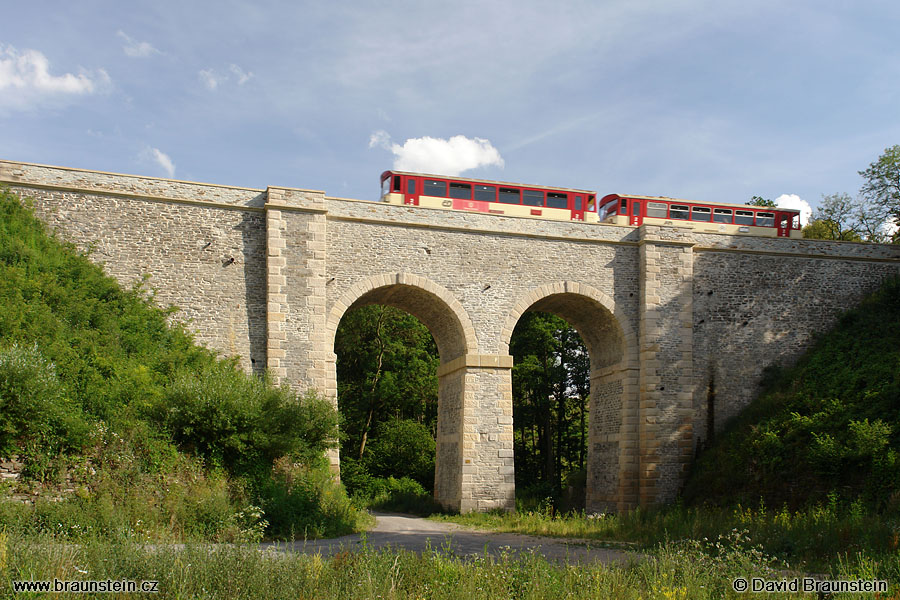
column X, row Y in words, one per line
column 402, row 448
column 835, row 219
column 882, row 185
column 387, row 369
column 550, row 392
column 760, row 201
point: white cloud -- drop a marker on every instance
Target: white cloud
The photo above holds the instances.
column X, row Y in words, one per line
column 26, row 81
column 439, row 156
column 240, row 74
column 795, row 201
column 136, row 49
column 212, row 79
column 161, row 159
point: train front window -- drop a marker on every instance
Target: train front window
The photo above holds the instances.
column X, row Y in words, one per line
column 461, row 191
column 700, row 213
column 657, row 209
column 385, row 186
column 557, row 200
column 743, row 217
column 678, row 212
column 795, row 224
column 411, row 187
column 485, row 193
column 435, row 188
column 608, row 209
column 508, row 196
column 533, row 197
column 765, row 219
column 722, row 215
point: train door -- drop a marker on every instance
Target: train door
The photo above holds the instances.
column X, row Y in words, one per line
column 783, row 225
column 410, row 195
column 578, row 203
column 636, row 215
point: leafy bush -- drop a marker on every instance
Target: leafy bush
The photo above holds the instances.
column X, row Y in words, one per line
column 402, row 448
column 34, row 407
column 306, row 502
column 243, row 423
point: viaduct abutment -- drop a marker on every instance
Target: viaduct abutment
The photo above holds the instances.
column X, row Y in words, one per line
column 665, row 312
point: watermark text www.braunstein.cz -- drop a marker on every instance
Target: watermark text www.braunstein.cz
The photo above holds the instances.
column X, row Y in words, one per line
column 76, row 586
column 809, row 585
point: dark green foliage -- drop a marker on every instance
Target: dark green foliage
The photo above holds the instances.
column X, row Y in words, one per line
column 243, row 423
column 301, row 501
column 551, row 388
column 35, row 411
column 387, row 390
column 110, row 348
column 828, row 426
column 387, row 369
column 402, row 448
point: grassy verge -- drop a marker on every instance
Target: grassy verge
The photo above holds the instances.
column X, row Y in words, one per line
column 677, row 571
column 818, row 539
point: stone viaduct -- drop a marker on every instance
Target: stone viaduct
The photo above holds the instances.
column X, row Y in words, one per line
column 679, row 324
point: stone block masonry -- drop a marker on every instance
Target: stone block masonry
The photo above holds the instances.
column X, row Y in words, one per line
column 667, row 314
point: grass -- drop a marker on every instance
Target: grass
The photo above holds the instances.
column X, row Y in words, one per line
column 817, row 539
column 242, row 571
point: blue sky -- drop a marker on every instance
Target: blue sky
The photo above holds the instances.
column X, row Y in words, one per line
column 714, row 101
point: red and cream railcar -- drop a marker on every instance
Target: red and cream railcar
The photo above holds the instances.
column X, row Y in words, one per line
column 494, row 197
column 731, row 219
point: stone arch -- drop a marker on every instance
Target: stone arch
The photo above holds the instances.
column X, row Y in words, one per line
column 562, row 299
column 429, row 302
column 613, row 451
column 454, row 335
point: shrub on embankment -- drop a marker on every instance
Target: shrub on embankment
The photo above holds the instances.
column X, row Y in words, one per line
column 100, row 393
column 826, row 430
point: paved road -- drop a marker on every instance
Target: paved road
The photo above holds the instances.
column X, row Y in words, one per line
column 418, row 535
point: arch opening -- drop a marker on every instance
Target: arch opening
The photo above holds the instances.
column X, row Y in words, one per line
column 452, row 337
column 612, row 444
column 386, row 364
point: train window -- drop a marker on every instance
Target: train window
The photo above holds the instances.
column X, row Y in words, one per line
column 385, row 185
column 700, row 213
column 557, row 200
column 533, row 197
column 657, row 209
column 765, row 219
column 722, row 215
column 678, row 212
column 796, row 222
column 624, row 206
column 577, row 202
column 411, row 187
column 485, row 193
column 396, row 183
column 435, row 188
column 508, row 195
column 636, row 208
column 463, row 191
column 743, row 217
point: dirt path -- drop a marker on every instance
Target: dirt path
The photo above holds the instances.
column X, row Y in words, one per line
column 418, row 535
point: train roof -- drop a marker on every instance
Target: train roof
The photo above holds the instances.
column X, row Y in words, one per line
column 703, row 202
column 489, row 181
